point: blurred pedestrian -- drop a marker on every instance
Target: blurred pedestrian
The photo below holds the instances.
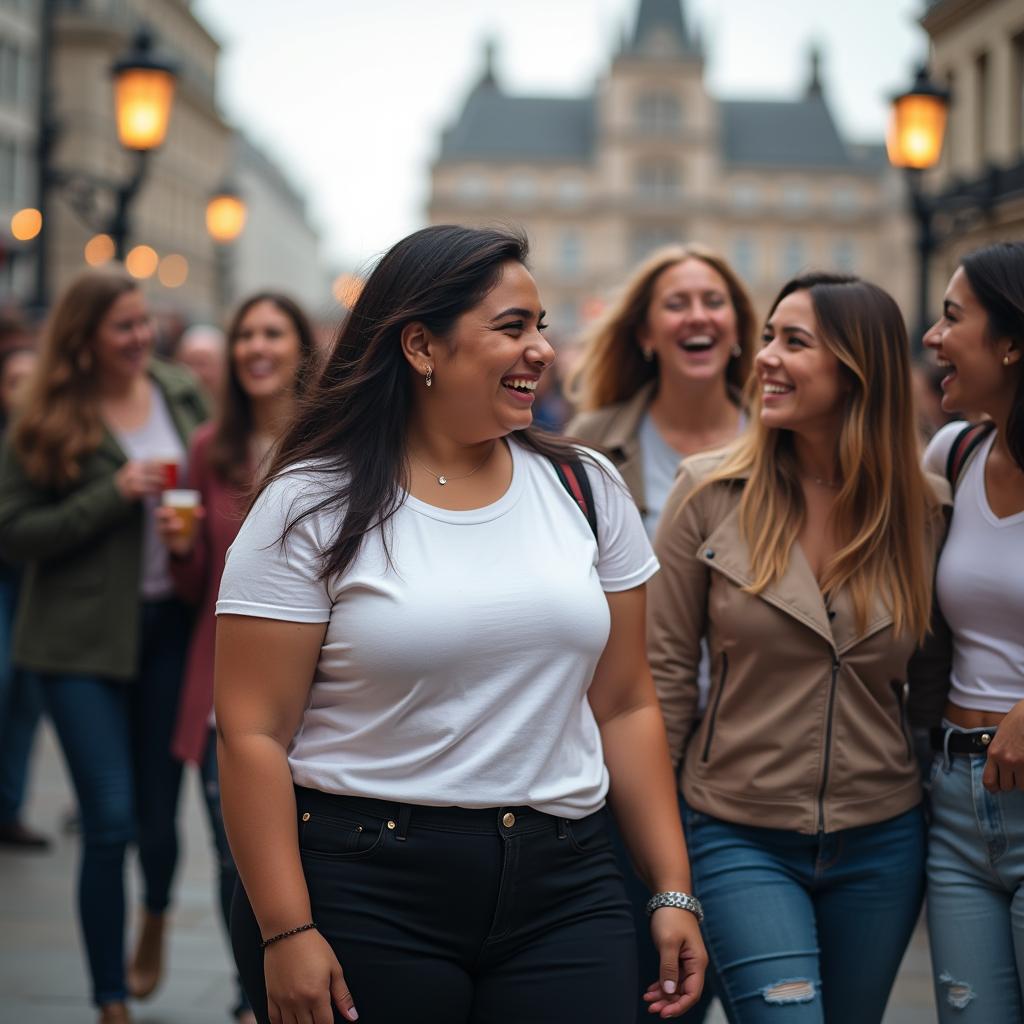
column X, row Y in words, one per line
column 662, row 377
column 805, row 553
column 269, row 358
column 201, row 348
column 663, row 372
column 976, row 840
column 425, row 660
column 81, row 475
column 20, row 699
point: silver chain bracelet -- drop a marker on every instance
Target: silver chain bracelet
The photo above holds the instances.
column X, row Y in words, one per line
column 681, row 900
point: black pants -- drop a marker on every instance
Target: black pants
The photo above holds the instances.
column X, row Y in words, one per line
column 449, row 916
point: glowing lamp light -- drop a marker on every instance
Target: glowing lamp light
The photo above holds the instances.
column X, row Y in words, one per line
column 173, row 272
column 141, row 262
column 225, row 216
column 143, row 95
column 99, row 250
column 26, row 224
column 917, row 125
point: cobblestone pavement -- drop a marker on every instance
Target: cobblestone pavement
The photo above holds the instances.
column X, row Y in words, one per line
column 42, row 975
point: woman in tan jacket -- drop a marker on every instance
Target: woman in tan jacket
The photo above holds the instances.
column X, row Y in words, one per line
column 805, row 554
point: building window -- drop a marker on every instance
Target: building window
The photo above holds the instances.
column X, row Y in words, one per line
column 472, row 188
column 794, row 198
column 571, row 192
column 568, row 317
column 744, row 257
column 522, row 189
column 8, row 171
column 658, row 113
column 10, row 61
column 793, row 256
column 844, row 255
column 845, row 200
column 647, row 239
column 745, row 196
column 657, row 180
column 570, row 253
column 1018, row 93
column 981, row 81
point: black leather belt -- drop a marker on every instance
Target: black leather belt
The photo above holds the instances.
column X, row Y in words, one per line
column 961, row 742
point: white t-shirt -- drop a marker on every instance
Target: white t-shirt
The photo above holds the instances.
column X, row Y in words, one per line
column 980, row 586
column 458, row 675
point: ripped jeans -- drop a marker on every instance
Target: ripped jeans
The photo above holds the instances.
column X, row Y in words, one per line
column 975, row 894
column 804, row 929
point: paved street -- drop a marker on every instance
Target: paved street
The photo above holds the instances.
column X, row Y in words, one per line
column 42, row 976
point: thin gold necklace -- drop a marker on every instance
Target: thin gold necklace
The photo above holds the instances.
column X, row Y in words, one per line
column 443, row 479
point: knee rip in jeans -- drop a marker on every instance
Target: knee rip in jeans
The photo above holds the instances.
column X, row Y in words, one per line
column 958, row 993
column 789, row 990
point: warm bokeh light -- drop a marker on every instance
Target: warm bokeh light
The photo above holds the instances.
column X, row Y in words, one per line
column 173, row 272
column 26, row 224
column 142, row 261
column 143, row 99
column 225, row 217
column 917, row 126
column 99, row 250
column 346, row 289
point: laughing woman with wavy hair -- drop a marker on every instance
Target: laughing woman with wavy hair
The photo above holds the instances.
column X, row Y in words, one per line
column 805, row 554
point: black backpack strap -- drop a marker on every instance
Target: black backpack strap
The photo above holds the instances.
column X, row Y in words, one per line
column 573, row 477
column 964, row 445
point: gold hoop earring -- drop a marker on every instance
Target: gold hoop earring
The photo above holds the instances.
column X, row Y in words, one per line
column 429, row 379
column 736, row 351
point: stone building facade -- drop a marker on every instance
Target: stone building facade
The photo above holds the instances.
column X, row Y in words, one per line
column 650, row 156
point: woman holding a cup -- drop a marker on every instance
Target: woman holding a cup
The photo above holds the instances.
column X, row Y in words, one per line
column 80, row 481
column 270, row 355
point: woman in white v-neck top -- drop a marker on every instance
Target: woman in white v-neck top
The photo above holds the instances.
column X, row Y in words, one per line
column 976, row 841
column 431, row 674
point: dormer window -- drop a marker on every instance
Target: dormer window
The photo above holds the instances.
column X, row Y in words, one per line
column 658, row 113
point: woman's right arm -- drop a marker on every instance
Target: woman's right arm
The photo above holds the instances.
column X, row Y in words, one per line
column 677, row 613
column 263, row 672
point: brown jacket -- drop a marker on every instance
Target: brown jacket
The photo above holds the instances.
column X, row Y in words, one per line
column 806, row 727
column 615, row 430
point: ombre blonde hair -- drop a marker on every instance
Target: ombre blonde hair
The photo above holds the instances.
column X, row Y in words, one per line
column 885, row 512
column 59, row 420
column 613, row 368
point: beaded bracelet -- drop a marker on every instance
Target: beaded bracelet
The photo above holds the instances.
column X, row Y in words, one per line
column 284, row 935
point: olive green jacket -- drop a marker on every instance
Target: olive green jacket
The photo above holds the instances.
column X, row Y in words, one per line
column 79, row 605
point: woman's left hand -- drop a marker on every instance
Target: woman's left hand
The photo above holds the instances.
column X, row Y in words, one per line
column 1004, row 769
column 676, row 935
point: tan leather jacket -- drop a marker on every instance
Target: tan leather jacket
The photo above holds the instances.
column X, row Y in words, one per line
column 615, row 430
column 806, row 725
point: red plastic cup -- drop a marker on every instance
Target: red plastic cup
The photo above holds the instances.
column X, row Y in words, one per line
column 169, row 474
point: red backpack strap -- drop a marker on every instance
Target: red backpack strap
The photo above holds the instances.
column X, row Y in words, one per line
column 964, row 445
column 573, row 477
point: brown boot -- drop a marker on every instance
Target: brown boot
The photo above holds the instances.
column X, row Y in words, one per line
column 114, row 1013
column 147, row 965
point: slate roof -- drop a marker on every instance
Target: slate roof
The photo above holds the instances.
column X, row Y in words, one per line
column 496, row 126
column 653, row 15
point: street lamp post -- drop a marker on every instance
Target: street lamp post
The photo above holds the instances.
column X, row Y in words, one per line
column 143, row 96
column 225, row 219
column 914, row 142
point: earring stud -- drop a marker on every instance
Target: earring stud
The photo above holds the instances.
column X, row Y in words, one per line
column 429, row 379
column 736, row 351
column 1006, row 360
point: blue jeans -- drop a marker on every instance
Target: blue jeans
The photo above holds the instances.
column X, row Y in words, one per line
column 227, row 873
column 804, row 929
column 116, row 738
column 20, row 706
column 975, row 894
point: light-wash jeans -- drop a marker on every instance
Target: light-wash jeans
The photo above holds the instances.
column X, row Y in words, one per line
column 975, row 894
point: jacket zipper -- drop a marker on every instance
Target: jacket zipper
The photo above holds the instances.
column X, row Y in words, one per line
column 714, row 709
column 828, row 743
column 900, row 691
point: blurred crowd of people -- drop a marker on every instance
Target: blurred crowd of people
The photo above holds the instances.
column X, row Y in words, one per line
column 833, row 629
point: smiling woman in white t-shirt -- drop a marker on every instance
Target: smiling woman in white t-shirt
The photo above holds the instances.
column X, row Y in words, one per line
column 976, row 840
column 431, row 669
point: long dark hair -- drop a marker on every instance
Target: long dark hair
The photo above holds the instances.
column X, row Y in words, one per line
column 996, row 276
column 352, row 424
column 229, row 447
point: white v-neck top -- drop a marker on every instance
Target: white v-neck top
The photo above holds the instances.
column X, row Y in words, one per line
column 980, row 586
column 458, row 674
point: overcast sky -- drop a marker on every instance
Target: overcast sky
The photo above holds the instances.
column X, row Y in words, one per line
column 349, row 96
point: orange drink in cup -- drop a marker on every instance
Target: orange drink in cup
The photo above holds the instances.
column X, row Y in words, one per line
column 184, row 503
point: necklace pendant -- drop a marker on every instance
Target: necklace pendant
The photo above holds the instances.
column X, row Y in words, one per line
column 442, row 480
